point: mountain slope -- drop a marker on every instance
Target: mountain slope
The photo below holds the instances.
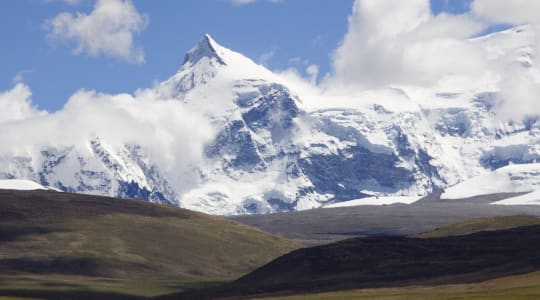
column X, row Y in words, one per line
column 44, row 232
column 93, row 167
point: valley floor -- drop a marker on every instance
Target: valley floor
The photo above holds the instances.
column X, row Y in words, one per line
column 29, row 287
column 326, row 225
column 519, row 287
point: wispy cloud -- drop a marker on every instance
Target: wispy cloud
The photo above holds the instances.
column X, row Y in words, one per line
column 69, row 2
column 318, row 41
column 244, row 2
column 313, row 72
column 19, row 77
column 266, row 57
column 109, row 30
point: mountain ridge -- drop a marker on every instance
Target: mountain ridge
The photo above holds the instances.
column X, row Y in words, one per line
column 206, row 47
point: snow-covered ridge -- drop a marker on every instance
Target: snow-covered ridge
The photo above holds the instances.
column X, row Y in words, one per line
column 207, row 48
column 510, row 179
column 215, row 67
column 22, row 185
column 532, row 198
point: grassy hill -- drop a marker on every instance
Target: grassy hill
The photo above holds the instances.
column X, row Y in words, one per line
column 481, row 224
column 384, row 262
column 63, row 243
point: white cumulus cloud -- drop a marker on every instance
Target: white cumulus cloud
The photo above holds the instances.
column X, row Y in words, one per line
column 16, row 105
column 313, row 72
column 519, row 86
column 109, row 29
column 172, row 135
column 401, row 42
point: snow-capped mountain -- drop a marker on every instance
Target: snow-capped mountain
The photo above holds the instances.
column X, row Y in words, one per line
column 93, row 168
column 277, row 148
column 273, row 153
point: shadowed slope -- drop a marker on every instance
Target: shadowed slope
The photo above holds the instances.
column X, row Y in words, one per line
column 481, row 224
column 390, row 262
column 387, row 261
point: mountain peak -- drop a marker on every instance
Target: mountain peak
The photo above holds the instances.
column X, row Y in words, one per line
column 206, row 61
column 206, row 47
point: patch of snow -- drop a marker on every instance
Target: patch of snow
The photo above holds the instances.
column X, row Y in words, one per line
column 532, row 198
column 510, row 179
column 375, row 201
column 21, row 184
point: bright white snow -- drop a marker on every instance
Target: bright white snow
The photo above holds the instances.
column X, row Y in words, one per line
column 532, row 198
column 376, row 201
column 509, row 179
column 20, row 184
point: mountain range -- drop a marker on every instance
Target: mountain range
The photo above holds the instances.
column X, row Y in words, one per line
column 276, row 147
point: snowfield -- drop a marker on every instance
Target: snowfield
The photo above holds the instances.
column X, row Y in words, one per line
column 20, row 184
column 510, row 179
column 532, row 198
column 375, row 201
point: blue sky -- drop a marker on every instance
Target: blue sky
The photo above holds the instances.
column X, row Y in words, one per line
column 289, row 33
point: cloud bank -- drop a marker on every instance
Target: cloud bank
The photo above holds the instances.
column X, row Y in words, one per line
column 171, row 134
column 108, row 30
column 402, row 43
column 16, row 104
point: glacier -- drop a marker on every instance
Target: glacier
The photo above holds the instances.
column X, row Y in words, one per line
column 279, row 148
